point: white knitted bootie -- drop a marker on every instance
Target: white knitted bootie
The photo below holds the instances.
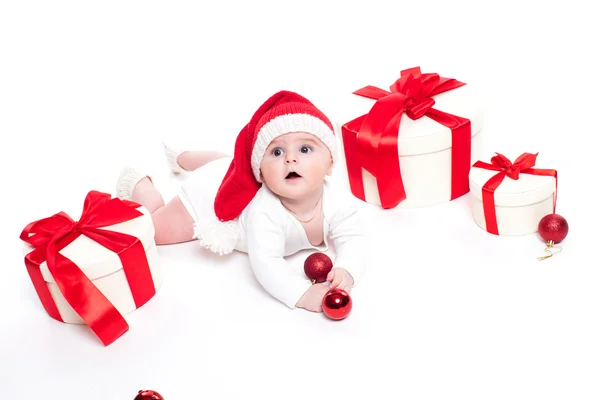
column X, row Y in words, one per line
column 172, row 153
column 129, row 177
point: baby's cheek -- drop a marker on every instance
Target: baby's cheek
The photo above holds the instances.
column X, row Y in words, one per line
column 315, row 173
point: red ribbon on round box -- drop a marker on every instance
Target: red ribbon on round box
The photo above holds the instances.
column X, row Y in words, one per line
column 48, row 236
column 527, row 220
column 371, row 140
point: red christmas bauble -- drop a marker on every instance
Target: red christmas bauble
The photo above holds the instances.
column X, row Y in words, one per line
column 553, row 227
column 148, row 395
column 337, row 304
column 317, row 266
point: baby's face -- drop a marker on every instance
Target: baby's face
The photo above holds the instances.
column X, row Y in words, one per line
column 295, row 165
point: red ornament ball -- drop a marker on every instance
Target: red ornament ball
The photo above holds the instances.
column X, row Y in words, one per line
column 317, row 266
column 553, row 227
column 148, row 395
column 337, row 304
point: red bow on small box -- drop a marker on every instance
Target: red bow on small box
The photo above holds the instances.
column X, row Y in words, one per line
column 522, row 165
column 52, row 234
column 371, row 141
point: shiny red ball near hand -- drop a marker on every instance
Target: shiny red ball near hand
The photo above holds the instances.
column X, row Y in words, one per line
column 553, row 227
column 337, row 304
column 317, row 266
column 148, row 395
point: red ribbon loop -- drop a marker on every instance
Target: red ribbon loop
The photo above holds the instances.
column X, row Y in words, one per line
column 375, row 144
column 52, row 234
column 512, row 170
column 522, row 165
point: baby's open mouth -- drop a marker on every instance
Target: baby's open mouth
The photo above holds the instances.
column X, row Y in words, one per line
column 292, row 175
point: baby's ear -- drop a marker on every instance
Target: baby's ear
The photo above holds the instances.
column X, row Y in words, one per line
column 330, row 170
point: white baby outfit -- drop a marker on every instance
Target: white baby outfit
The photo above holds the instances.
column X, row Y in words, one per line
column 268, row 232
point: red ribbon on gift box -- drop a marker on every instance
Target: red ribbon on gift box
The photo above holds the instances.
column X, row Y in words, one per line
column 371, row 141
column 50, row 235
column 522, row 165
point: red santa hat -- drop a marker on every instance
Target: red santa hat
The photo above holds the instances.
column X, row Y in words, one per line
column 282, row 113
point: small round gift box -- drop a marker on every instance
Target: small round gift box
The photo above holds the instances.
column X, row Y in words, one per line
column 510, row 198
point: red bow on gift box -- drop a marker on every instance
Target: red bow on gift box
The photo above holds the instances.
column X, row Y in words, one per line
column 371, row 141
column 52, row 234
column 522, row 165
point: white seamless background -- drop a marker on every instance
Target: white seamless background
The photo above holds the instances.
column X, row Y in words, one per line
column 445, row 310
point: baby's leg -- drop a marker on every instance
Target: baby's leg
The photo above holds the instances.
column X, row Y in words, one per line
column 172, row 222
column 190, row 160
column 180, row 160
column 146, row 194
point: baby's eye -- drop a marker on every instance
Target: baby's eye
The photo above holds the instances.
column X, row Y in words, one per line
column 305, row 149
column 277, row 151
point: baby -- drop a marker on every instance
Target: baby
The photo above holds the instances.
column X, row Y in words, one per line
column 271, row 200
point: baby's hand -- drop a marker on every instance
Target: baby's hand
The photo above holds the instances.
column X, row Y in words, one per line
column 313, row 298
column 341, row 279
